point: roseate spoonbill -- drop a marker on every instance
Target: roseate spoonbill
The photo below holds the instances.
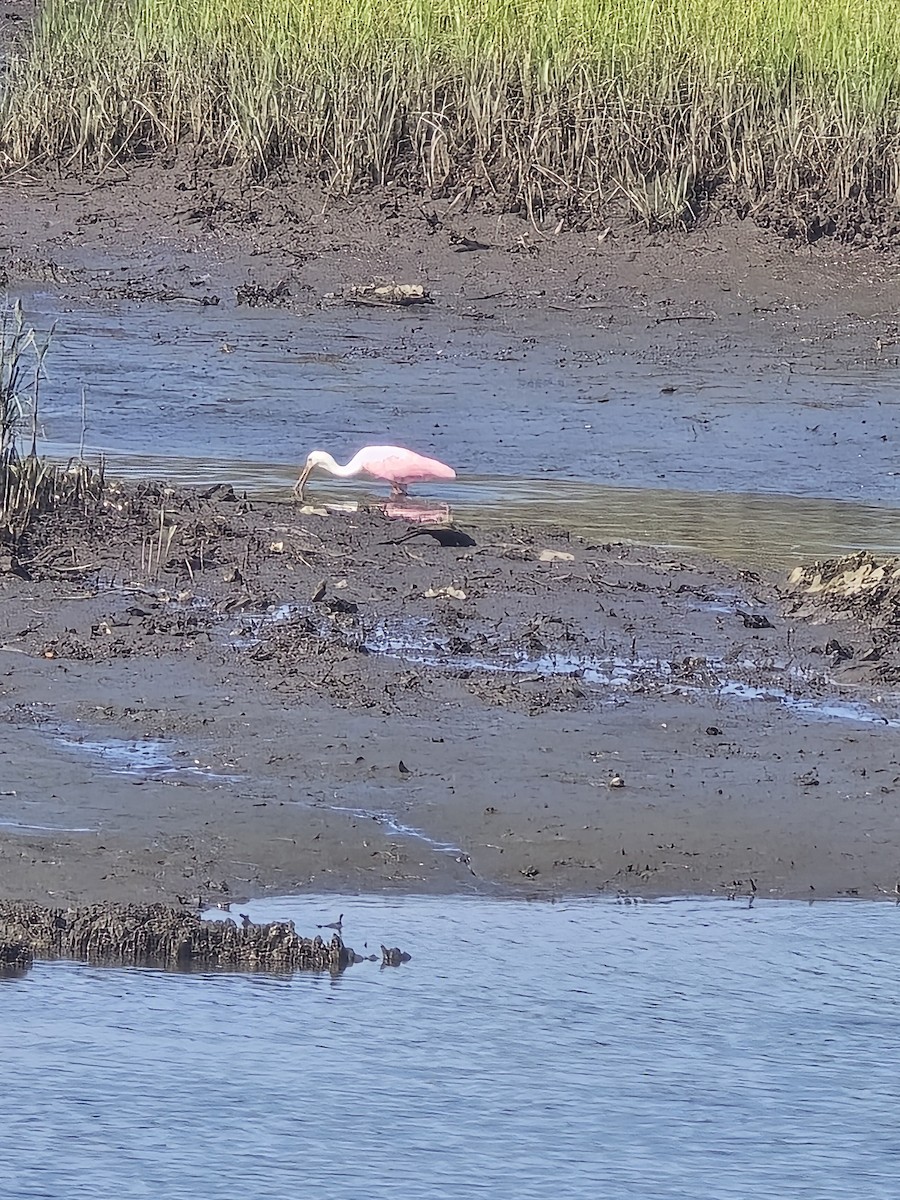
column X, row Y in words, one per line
column 392, row 464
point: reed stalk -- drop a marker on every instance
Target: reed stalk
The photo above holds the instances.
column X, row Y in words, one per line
column 578, row 104
column 29, row 485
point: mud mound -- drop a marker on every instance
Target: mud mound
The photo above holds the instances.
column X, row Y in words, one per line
column 852, row 577
column 859, row 584
column 14, row 957
column 156, row 935
column 864, row 590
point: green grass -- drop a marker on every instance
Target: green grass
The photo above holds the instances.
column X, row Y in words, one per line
column 577, row 104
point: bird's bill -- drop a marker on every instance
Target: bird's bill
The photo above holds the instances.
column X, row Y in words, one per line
column 301, row 482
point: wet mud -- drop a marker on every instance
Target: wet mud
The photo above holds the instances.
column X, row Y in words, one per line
column 207, row 694
column 207, row 697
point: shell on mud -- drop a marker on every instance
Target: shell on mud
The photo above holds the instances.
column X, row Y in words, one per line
column 390, row 293
column 449, row 592
column 850, row 576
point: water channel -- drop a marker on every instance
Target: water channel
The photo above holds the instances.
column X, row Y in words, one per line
column 744, row 457
column 673, row 1050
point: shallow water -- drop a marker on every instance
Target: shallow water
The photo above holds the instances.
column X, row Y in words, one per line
column 745, row 459
column 145, row 758
column 680, row 1050
column 616, row 676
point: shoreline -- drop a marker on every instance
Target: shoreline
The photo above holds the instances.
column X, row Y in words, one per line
column 161, row 232
column 534, row 716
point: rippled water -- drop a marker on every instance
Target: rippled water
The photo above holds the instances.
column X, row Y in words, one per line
column 679, row 1051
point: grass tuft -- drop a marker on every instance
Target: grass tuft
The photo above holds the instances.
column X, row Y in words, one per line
column 29, row 485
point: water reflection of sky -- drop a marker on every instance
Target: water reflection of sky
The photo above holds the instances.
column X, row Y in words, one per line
column 680, row 1050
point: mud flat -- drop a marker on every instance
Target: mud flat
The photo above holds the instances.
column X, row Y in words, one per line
column 211, row 697
column 206, row 698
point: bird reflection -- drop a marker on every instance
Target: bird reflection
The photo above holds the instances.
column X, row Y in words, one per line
column 418, row 512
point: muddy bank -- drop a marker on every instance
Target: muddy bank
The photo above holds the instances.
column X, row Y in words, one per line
column 712, row 364
column 186, row 231
column 206, row 697
column 158, row 936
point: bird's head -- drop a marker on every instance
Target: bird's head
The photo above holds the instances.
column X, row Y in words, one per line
column 318, row 458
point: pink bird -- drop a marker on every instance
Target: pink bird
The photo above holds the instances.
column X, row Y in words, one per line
column 392, row 464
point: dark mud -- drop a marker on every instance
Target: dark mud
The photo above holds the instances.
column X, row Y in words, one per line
column 187, row 231
column 208, row 697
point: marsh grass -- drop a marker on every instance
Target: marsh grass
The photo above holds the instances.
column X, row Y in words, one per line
column 29, row 485
column 577, row 105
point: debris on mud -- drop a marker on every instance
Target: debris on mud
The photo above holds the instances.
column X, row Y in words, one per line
column 308, row 653
column 330, row 602
column 443, row 536
column 255, row 295
column 861, row 589
column 401, row 295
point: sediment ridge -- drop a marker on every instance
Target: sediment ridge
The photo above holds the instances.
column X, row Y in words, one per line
column 243, row 698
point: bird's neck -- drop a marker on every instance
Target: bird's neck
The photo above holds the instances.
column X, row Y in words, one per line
column 335, row 468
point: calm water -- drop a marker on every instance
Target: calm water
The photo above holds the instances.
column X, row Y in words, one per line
column 681, row 1050
column 746, row 458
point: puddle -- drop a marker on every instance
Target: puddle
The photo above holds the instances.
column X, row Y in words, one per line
column 830, row 710
column 724, row 601
column 246, row 634
column 389, row 822
column 142, row 758
column 621, row 675
column 25, row 827
column 405, row 641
